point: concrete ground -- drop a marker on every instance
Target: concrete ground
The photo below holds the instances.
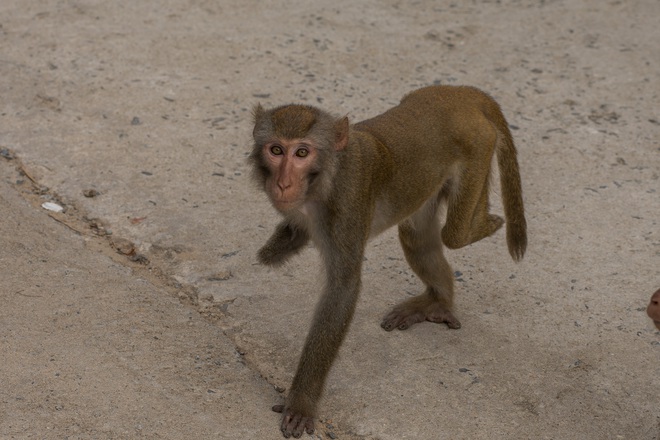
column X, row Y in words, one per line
column 140, row 311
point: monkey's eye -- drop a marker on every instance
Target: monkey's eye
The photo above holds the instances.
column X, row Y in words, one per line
column 302, row 152
column 276, row 150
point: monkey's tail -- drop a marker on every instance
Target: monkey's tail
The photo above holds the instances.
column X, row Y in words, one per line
column 514, row 211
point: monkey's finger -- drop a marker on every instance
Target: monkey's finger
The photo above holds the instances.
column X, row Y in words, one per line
column 278, row 408
column 284, row 427
column 309, row 425
column 291, row 424
column 304, row 424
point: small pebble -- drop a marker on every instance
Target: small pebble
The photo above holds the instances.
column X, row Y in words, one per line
column 91, row 193
column 223, row 275
column 124, row 246
column 4, row 152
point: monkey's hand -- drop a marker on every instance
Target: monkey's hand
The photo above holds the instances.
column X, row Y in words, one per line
column 286, row 241
column 293, row 422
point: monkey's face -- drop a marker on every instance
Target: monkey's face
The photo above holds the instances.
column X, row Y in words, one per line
column 292, row 165
column 653, row 310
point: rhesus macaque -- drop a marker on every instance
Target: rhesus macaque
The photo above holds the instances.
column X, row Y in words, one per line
column 338, row 185
column 653, row 310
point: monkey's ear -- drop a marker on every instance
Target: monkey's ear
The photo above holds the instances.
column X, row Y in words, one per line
column 341, row 133
column 257, row 112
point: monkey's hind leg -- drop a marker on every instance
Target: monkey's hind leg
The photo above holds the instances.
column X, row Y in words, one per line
column 422, row 246
column 468, row 219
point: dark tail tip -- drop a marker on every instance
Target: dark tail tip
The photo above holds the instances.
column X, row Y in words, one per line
column 516, row 238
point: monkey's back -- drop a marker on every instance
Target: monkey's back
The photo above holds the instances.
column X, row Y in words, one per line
column 432, row 133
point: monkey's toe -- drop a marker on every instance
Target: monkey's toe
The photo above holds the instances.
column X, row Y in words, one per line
column 440, row 315
column 405, row 315
column 401, row 319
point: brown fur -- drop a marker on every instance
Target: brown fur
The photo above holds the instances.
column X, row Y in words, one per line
column 399, row 168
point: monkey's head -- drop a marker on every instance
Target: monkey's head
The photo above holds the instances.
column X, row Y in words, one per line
column 295, row 153
column 653, row 310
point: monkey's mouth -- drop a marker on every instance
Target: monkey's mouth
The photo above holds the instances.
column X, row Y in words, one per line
column 657, row 324
column 285, row 205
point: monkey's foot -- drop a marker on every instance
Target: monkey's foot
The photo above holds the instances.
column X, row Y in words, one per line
column 294, row 423
column 418, row 310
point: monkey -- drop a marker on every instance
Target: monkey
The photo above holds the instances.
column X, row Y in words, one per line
column 338, row 184
column 653, row 310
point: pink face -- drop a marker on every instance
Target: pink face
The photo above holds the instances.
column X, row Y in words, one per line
column 290, row 162
column 653, row 310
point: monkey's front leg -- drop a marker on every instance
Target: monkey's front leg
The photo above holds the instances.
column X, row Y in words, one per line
column 286, row 241
column 331, row 321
